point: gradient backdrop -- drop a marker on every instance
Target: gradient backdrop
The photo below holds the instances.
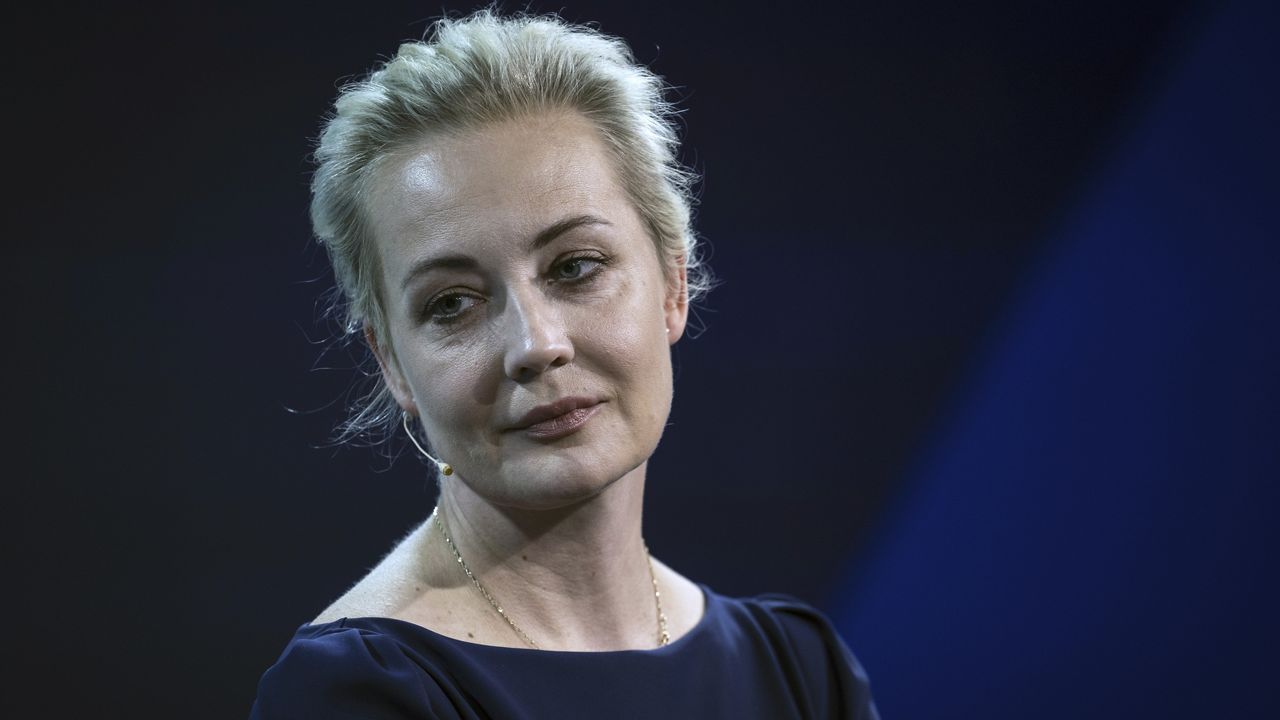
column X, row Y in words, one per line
column 991, row 377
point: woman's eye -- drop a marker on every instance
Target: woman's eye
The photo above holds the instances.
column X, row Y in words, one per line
column 446, row 308
column 576, row 268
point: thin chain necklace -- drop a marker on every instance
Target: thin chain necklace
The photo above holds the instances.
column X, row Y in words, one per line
column 663, row 636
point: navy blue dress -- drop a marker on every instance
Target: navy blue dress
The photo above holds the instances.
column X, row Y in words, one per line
column 770, row 656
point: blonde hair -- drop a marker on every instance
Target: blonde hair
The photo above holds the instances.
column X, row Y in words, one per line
column 477, row 70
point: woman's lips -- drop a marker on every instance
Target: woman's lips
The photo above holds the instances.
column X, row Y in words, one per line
column 561, row 425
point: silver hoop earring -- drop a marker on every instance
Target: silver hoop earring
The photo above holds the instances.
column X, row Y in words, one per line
column 445, row 468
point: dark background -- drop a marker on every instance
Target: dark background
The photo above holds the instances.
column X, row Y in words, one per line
column 991, row 376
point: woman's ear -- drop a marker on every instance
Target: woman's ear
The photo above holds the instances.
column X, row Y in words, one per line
column 392, row 375
column 676, row 306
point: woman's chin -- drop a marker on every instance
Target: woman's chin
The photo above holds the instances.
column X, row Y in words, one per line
column 549, row 484
column 558, row 496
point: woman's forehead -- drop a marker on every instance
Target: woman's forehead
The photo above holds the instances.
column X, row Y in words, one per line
column 504, row 180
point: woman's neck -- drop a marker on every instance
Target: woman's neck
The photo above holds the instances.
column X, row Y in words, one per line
column 574, row 578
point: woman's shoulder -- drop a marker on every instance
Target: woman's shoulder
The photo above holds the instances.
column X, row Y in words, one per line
column 798, row 629
column 684, row 601
column 340, row 670
column 804, row 641
column 388, row 587
column 802, row 622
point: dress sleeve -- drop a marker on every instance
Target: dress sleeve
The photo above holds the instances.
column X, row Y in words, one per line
column 344, row 673
column 832, row 680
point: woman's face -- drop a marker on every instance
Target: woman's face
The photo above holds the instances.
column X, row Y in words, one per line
column 528, row 312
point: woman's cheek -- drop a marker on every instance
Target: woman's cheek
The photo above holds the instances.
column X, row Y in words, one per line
column 621, row 322
column 455, row 392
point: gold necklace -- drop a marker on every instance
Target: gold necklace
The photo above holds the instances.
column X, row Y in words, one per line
column 663, row 636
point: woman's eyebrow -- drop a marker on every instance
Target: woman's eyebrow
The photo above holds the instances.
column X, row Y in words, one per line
column 466, row 262
column 441, row 262
column 561, row 227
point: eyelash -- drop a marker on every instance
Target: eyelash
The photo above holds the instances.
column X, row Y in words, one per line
column 430, row 310
column 599, row 260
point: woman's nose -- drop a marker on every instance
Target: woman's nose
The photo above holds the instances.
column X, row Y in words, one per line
column 536, row 339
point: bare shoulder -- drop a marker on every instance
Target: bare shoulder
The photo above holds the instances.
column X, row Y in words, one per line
column 683, row 601
column 391, row 585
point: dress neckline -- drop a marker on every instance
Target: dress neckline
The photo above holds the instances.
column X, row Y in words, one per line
column 401, row 628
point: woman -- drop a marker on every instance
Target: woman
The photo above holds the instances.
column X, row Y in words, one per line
column 510, row 228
